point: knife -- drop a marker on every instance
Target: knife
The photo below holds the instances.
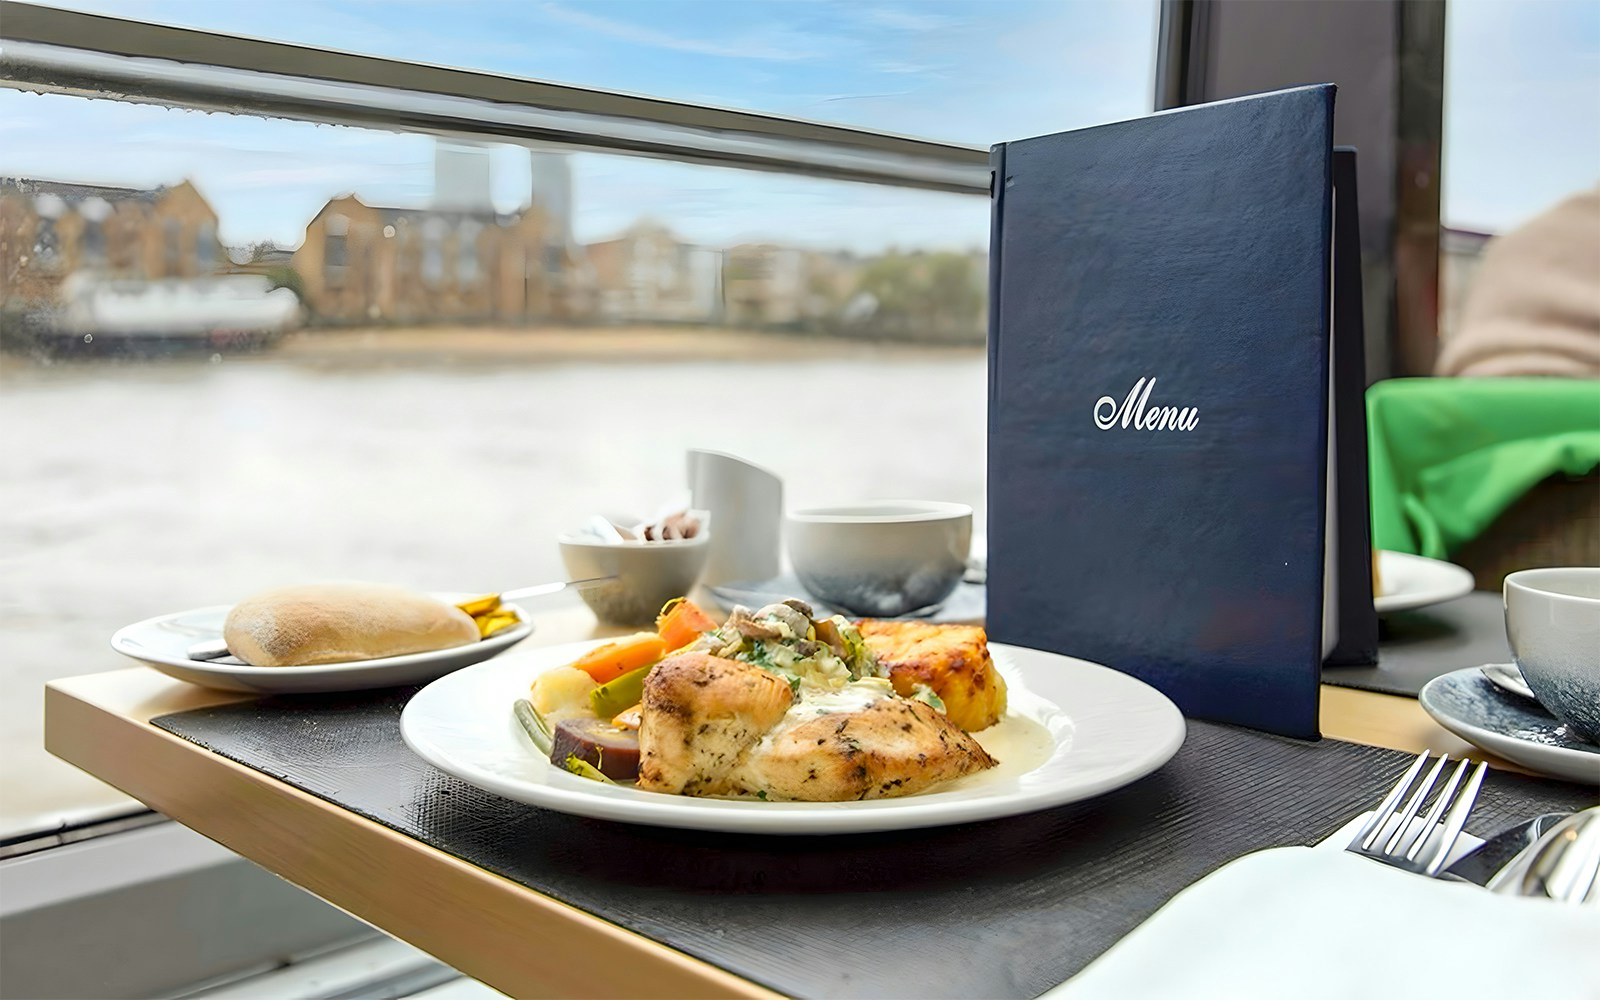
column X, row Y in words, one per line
column 216, row 649
column 1480, row 865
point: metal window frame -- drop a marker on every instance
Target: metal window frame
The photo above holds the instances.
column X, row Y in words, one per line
column 50, row 50
column 1387, row 56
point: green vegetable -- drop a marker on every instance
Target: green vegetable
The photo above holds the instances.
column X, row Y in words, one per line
column 924, row 693
column 534, row 725
column 615, row 695
column 584, row 769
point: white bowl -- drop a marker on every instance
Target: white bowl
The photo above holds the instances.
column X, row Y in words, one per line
column 884, row 558
column 1553, row 626
column 648, row 574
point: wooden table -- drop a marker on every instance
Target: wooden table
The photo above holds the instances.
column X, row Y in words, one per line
column 100, row 722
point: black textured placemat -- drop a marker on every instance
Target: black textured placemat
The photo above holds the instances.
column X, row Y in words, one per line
column 1414, row 647
column 1006, row 908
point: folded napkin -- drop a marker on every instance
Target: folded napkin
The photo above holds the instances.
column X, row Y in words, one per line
column 1320, row 922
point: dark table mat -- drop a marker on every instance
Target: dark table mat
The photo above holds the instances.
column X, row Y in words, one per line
column 1005, row 908
column 1414, row 647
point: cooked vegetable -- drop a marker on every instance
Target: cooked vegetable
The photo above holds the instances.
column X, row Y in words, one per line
column 630, row 718
column 951, row 661
column 614, row 752
column 480, row 605
column 495, row 621
column 562, row 690
column 583, row 769
column 534, row 725
column 608, row 662
column 613, row 696
column 682, row 622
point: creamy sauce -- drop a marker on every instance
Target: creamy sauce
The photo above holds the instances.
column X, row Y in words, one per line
column 1020, row 744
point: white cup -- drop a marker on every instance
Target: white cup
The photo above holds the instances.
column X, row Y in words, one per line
column 746, row 506
column 1553, row 627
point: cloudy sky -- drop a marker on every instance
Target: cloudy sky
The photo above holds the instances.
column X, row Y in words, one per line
column 1522, row 106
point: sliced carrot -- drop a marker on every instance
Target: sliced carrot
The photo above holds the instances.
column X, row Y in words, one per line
column 682, row 622
column 608, row 662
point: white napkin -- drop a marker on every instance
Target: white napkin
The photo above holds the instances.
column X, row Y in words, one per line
column 1314, row 922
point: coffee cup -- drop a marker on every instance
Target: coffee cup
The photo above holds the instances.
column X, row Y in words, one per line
column 884, row 558
column 1553, row 627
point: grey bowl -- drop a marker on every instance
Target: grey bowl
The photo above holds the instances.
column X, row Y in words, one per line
column 1553, row 626
column 881, row 559
column 648, row 574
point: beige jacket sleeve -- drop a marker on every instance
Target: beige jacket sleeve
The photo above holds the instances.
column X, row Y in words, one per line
column 1534, row 304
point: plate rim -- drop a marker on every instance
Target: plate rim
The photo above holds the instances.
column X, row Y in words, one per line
column 1463, row 584
column 797, row 818
column 1524, row 752
column 504, row 640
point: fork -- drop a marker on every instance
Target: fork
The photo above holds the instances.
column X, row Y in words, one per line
column 1404, row 846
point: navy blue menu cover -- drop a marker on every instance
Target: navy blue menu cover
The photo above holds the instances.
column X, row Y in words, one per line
column 1159, row 374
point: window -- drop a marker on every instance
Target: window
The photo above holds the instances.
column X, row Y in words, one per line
column 47, row 244
column 172, row 247
column 336, row 248
column 1522, row 94
column 92, row 243
column 467, row 252
column 205, row 246
column 433, row 231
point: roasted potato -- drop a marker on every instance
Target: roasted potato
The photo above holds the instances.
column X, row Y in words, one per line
column 953, row 660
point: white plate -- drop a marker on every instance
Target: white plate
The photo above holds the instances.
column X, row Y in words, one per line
column 1468, row 704
column 1416, row 581
column 1105, row 730
column 164, row 643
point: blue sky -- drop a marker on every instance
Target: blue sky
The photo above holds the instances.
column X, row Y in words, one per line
column 1523, row 105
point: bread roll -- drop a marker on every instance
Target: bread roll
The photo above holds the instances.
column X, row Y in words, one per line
column 336, row 622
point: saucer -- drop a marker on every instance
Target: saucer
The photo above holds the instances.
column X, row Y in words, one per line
column 965, row 605
column 1411, row 582
column 1468, row 704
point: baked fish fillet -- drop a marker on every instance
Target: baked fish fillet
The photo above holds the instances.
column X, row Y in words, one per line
column 699, row 716
column 892, row 747
column 710, row 726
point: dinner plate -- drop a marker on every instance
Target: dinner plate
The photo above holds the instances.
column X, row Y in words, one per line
column 1468, row 704
column 1098, row 730
column 1416, row 581
column 164, row 642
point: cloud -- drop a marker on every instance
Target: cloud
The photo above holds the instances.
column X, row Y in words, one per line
column 778, row 46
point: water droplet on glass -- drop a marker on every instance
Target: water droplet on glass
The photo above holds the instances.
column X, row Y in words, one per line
column 88, row 338
column 216, row 359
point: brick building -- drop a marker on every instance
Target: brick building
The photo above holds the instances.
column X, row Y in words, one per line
column 52, row 229
column 364, row 263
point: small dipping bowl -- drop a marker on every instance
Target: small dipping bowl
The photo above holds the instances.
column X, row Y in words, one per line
column 648, row 574
column 884, row 558
column 1553, row 627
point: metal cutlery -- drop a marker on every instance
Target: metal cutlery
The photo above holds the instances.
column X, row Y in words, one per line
column 1392, row 834
column 1483, row 862
column 1507, row 677
column 1563, row 864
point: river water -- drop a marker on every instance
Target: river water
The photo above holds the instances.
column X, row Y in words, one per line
column 138, row 488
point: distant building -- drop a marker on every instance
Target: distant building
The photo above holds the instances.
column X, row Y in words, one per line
column 646, row 275
column 767, row 285
column 551, row 174
column 364, row 263
column 461, row 177
column 50, row 230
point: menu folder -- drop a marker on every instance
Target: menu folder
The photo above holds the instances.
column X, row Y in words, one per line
column 1177, row 454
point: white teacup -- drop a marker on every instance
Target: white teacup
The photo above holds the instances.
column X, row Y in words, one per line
column 884, row 558
column 1553, row 626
